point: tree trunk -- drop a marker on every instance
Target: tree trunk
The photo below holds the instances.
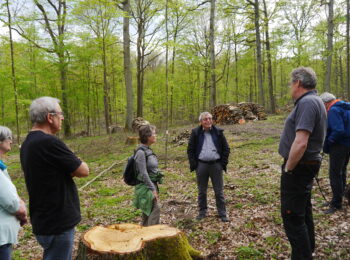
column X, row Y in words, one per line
column 269, row 63
column 13, row 72
column 212, row 100
column 130, row 241
column 127, row 65
column 327, row 81
column 105, row 87
column 348, row 48
column 258, row 54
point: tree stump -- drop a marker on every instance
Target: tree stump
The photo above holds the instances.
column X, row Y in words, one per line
column 132, row 140
column 130, row 241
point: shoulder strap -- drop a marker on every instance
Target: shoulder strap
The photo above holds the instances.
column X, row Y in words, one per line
column 144, row 149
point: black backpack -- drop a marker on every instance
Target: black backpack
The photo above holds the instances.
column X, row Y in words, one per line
column 130, row 173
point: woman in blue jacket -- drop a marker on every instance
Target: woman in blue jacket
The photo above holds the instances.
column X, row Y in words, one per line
column 13, row 212
column 337, row 144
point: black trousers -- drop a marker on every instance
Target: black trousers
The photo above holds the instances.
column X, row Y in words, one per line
column 296, row 210
column 214, row 171
column 338, row 162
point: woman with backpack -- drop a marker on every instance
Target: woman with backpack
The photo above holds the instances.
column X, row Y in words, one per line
column 148, row 174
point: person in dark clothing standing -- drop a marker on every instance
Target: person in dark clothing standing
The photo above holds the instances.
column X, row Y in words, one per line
column 337, row 144
column 300, row 146
column 208, row 153
column 49, row 167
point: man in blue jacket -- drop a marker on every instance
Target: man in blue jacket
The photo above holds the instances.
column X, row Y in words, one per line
column 337, row 144
column 208, row 153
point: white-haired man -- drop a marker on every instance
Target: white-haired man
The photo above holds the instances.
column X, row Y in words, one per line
column 337, row 145
column 49, row 167
column 208, row 153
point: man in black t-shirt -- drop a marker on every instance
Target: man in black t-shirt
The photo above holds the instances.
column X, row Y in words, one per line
column 300, row 146
column 49, row 167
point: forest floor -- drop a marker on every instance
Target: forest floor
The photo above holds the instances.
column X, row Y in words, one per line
column 251, row 190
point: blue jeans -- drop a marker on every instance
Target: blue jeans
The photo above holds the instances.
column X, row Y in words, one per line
column 57, row 247
column 5, row 252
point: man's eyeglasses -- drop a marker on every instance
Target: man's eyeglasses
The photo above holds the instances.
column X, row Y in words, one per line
column 57, row 113
column 207, row 119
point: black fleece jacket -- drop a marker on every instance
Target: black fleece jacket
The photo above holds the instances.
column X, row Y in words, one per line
column 195, row 145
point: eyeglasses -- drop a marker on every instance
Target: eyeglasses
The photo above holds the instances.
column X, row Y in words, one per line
column 57, row 113
column 207, row 119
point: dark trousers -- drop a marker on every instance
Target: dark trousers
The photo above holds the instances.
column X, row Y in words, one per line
column 153, row 218
column 205, row 171
column 296, row 210
column 338, row 162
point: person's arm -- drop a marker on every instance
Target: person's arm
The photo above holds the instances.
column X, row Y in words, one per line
column 225, row 152
column 21, row 213
column 81, row 171
column 191, row 151
column 297, row 150
column 9, row 199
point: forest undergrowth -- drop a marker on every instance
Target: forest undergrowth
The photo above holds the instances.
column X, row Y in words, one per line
column 251, row 190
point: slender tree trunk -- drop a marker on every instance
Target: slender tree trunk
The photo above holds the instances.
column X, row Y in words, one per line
column 236, row 71
column 13, row 72
column 269, row 63
column 105, row 87
column 212, row 100
column 127, row 66
column 341, row 75
column 327, row 83
column 348, row 48
column 166, row 83
column 258, row 53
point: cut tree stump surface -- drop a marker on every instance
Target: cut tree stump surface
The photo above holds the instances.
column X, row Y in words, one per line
column 130, row 241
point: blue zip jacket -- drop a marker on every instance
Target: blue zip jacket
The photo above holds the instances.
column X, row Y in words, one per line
column 338, row 129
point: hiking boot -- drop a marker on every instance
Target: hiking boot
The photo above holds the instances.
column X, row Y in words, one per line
column 325, row 204
column 201, row 216
column 331, row 210
column 224, row 219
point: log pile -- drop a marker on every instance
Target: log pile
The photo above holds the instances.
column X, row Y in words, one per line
column 182, row 138
column 138, row 122
column 130, row 241
column 237, row 113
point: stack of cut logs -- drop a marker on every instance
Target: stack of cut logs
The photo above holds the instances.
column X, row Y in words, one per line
column 138, row 122
column 232, row 113
column 182, row 138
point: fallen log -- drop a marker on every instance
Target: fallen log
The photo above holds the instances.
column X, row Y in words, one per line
column 130, row 241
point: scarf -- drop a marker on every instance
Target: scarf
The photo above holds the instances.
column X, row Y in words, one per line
column 2, row 165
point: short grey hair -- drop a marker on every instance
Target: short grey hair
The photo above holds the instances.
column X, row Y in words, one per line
column 40, row 107
column 306, row 76
column 203, row 114
column 146, row 131
column 327, row 97
column 5, row 133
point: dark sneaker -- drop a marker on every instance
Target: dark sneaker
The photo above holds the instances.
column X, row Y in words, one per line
column 201, row 216
column 326, row 204
column 224, row 219
column 331, row 210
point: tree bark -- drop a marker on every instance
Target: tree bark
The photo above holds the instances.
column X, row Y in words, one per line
column 327, row 82
column 212, row 100
column 261, row 94
column 269, row 63
column 348, row 48
column 13, row 72
column 127, row 66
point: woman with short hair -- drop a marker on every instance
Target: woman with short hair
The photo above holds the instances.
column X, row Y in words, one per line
column 13, row 212
column 148, row 174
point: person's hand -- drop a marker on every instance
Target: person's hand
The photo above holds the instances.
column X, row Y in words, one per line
column 155, row 194
column 21, row 214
